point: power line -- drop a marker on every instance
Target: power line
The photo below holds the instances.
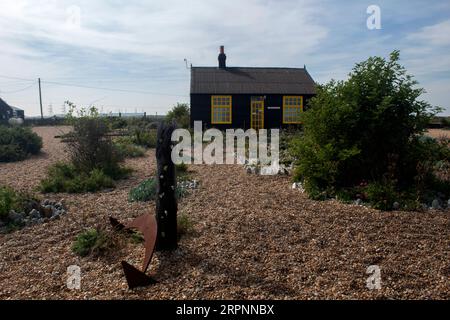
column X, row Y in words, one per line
column 15, row 91
column 113, row 89
column 16, row 78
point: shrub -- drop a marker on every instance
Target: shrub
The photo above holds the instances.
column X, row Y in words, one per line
column 90, row 145
column 64, row 177
column 382, row 195
column 184, row 225
column 145, row 138
column 12, row 200
column 129, row 150
column 93, row 241
column 8, row 199
column 181, row 168
column 16, row 143
column 146, row 191
column 365, row 129
column 180, row 114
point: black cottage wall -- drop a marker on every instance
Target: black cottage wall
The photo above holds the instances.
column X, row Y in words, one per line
column 273, row 110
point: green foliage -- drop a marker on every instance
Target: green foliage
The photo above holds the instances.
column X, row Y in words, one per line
column 180, row 114
column 145, row 138
column 16, row 143
column 184, row 225
column 64, row 177
column 181, row 168
column 8, row 200
column 89, row 144
column 92, row 241
column 145, row 191
column 365, row 129
column 382, row 195
column 127, row 149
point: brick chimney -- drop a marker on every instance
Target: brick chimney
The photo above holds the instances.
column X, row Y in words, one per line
column 222, row 58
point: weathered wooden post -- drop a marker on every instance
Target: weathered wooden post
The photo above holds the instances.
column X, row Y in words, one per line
column 166, row 202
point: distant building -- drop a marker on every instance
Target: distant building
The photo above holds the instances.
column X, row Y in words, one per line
column 234, row 97
column 7, row 112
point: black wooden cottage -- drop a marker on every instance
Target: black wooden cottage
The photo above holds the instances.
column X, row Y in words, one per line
column 234, row 97
column 7, row 111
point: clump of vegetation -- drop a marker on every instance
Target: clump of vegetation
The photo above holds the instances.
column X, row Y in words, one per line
column 146, row 191
column 143, row 137
column 370, row 128
column 11, row 199
column 184, row 225
column 127, row 148
column 63, row 177
column 94, row 241
column 180, row 114
column 94, row 159
column 17, row 143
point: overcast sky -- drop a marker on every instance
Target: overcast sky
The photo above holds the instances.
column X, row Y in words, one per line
column 129, row 55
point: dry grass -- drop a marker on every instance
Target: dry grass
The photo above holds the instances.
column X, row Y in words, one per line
column 255, row 238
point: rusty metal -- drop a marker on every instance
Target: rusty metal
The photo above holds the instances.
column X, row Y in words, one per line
column 147, row 225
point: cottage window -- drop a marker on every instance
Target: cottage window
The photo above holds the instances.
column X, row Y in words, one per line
column 292, row 109
column 220, row 109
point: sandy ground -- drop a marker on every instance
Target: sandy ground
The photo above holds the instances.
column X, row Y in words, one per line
column 438, row 133
column 255, row 238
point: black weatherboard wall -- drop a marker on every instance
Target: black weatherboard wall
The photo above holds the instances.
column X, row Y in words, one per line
column 273, row 110
column 243, row 83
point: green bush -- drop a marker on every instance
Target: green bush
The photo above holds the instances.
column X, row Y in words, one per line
column 179, row 114
column 16, row 143
column 382, row 195
column 366, row 128
column 144, row 138
column 92, row 241
column 129, row 150
column 64, row 177
column 8, row 200
column 146, row 191
column 184, row 225
column 12, row 200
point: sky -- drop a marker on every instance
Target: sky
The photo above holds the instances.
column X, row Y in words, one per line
column 129, row 56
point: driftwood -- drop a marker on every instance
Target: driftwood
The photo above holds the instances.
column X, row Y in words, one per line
column 166, row 202
column 159, row 232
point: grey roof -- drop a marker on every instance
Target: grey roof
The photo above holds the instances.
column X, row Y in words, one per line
column 236, row 80
column 16, row 109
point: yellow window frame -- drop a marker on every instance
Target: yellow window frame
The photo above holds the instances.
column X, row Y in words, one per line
column 221, row 106
column 292, row 107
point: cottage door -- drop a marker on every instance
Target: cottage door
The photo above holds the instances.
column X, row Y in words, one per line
column 257, row 113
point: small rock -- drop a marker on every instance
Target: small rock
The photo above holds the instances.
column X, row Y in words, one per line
column 55, row 217
column 294, row 185
column 46, row 202
column 34, row 214
column 448, row 203
column 424, row 206
column 435, row 204
column 16, row 217
column 358, row 202
column 396, row 205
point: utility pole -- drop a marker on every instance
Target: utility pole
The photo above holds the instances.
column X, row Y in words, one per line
column 40, row 98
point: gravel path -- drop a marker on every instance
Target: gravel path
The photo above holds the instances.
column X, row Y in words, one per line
column 255, row 238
